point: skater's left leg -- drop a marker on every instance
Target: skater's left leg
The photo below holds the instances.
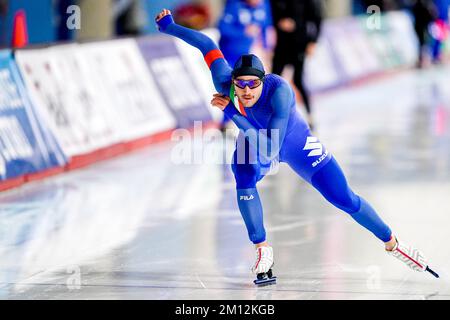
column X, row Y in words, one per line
column 322, row 171
column 317, row 166
column 332, row 184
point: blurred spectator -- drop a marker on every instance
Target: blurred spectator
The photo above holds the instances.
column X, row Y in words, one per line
column 131, row 17
column 3, row 15
column 97, row 20
column 242, row 24
column 439, row 30
column 297, row 23
column 193, row 15
column 424, row 13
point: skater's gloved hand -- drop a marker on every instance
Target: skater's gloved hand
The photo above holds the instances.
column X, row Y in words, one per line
column 220, row 101
column 163, row 19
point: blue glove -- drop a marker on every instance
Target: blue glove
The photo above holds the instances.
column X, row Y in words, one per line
column 164, row 22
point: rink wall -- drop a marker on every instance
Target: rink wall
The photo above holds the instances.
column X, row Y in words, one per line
column 355, row 48
column 67, row 106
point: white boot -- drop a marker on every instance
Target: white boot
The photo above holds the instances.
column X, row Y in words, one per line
column 410, row 256
column 264, row 260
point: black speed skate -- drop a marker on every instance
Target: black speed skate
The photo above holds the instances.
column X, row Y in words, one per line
column 265, row 278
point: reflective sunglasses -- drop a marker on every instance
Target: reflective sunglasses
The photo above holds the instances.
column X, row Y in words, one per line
column 252, row 84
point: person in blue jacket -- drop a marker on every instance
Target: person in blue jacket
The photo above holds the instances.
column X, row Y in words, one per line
column 440, row 27
column 271, row 131
column 242, row 24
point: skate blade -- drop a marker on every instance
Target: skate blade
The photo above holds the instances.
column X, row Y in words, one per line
column 432, row 272
column 265, row 282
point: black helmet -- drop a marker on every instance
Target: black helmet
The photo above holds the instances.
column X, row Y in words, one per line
column 248, row 65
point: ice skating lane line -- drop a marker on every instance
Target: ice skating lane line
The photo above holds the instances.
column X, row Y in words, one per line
column 250, row 288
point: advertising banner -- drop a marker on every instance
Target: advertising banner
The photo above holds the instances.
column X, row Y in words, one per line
column 54, row 80
column 131, row 99
column 320, row 68
column 26, row 146
column 403, row 38
column 177, row 85
column 382, row 46
column 94, row 95
column 351, row 49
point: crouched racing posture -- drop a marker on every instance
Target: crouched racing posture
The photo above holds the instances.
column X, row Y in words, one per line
column 271, row 131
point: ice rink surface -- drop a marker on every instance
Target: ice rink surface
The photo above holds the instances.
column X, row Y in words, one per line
column 144, row 227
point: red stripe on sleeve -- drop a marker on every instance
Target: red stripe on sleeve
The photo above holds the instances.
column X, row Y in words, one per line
column 212, row 56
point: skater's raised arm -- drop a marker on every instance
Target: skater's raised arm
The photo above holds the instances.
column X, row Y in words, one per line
column 267, row 142
column 220, row 70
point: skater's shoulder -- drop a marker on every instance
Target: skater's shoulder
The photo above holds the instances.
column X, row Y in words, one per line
column 275, row 81
column 273, row 78
column 276, row 93
column 281, row 93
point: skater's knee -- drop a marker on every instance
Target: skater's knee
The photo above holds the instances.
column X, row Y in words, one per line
column 346, row 201
column 351, row 203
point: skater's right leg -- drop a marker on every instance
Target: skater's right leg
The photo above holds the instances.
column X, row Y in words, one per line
column 247, row 175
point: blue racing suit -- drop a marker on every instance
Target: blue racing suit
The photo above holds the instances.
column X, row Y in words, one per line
column 273, row 130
